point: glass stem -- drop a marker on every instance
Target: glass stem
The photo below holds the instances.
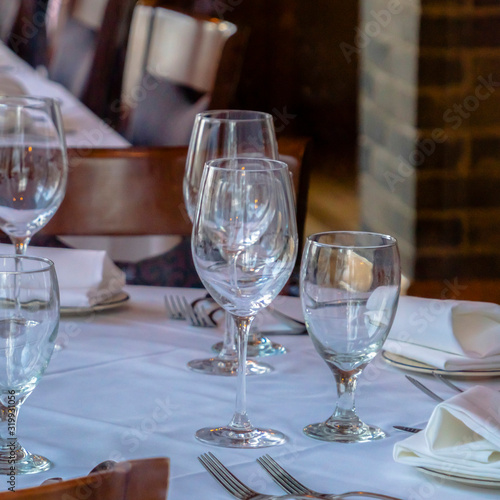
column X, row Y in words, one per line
column 21, row 244
column 345, row 411
column 240, row 420
column 228, row 350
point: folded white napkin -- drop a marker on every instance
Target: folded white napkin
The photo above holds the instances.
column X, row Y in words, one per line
column 447, row 334
column 462, row 436
column 86, row 277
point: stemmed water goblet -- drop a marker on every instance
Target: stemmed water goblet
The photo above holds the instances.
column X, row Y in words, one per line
column 349, row 287
column 33, row 166
column 244, row 246
column 29, row 319
column 228, row 134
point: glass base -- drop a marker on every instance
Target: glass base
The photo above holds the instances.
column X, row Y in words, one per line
column 343, row 433
column 228, row 368
column 29, row 464
column 229, row 437
column 259, row 348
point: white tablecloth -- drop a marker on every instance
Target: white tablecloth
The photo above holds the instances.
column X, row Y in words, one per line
column 83, row 128
column 120, row 389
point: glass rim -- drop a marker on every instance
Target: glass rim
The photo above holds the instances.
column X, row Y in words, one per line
column 49, row 264
column 256, row 115
column 276, row 165
column 391, row 241
column 33, row 101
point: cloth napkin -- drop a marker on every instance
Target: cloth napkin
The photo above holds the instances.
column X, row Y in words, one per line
column 86, row 277
column 447, row 334
column 462, row 436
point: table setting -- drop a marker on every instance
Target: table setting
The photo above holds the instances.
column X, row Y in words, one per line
column 123, row 386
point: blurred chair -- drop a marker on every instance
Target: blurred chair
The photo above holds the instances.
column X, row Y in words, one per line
column 145, row 479
column 27, row 36
column 170, row 73
column 83, row 56
column 8, row 13
column 72, row 30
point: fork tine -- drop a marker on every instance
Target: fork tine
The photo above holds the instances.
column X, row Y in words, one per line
column 196, row 317
column 188, row 311
column 225, row 477
column 281, row 476
column 172, row 308
column 215, row 473
column 230, row 476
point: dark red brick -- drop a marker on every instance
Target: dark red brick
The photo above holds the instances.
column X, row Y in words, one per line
column 435, row 70
column 432, row 232
column 476, row 266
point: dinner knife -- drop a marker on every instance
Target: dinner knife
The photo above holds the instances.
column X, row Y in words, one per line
column 413, row 430
column 424, row 389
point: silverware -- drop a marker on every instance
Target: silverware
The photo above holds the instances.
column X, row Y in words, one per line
column 447, row 382
column 291, row 485
column 296, row 327
column 179, row 308
column 413, row 430
column 228, row 480
column 424, row 389
column 288, row 320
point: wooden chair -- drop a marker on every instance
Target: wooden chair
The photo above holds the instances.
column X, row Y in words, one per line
column 145, row 479
column 85, row 58
column 172, row 64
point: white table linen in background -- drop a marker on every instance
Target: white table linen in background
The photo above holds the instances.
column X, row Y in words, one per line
column 120, row 389
column 447, row 334
column 83, row 128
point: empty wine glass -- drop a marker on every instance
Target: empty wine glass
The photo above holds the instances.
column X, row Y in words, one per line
column 29, row 319
column 33, row 166
column 349, row 287
column 228, row 134
column 244, row 247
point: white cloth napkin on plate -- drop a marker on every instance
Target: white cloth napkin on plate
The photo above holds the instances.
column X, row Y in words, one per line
column 461, row 437
column 447, row 334
column 86, row 277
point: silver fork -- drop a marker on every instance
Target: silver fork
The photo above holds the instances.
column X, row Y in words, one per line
column 228, row 480
column 291, row 485
column 178, row 307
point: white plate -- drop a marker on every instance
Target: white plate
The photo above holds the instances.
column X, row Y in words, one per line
column 417, row 366
column 113, row 302
column 462, row 478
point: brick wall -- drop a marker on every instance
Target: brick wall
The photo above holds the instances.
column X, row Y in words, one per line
column 429, row 147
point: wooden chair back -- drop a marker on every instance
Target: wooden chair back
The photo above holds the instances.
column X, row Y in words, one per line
column 171, row 67
column 138, row 191
column 145, row 479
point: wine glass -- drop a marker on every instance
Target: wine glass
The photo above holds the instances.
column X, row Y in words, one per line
column 29, row 319
column 244, row 247
column 224, row 134
column 349, row 287
column 33, row 166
